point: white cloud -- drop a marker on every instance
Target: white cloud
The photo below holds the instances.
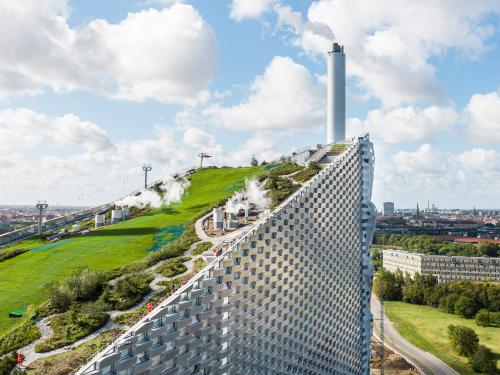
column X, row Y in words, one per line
column 389, row 44
column 23, row 128
column 479, row 160
column 201, row 140
column 132, row 59
column 424, row 161
column 482, row 116
column 470, row 177
column 285, row 97
column 247, row 9
column 262, row 146
column 405, row 124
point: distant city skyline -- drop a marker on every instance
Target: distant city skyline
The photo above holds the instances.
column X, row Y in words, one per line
column 91, row 91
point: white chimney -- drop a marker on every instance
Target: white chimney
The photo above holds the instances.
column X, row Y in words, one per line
column 335, row 97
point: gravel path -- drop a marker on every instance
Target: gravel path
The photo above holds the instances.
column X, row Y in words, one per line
column 29, row 351
column 43, row 325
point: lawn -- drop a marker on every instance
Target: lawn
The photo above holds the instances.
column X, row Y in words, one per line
column 22, row 278
column 426, row 327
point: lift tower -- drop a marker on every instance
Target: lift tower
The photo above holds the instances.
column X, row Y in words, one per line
column 146, row 168
column 41, row 205
column 203, row 155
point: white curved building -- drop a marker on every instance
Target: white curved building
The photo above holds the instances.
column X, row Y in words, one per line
column 292, row 296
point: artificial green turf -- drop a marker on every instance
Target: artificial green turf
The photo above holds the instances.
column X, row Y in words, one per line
column 22, row 278
column 426, row 327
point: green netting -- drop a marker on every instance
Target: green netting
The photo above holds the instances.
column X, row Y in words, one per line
column 272, row 166
column 235, row 186
column 18, row 313
column 165, row 236
column 50, row 245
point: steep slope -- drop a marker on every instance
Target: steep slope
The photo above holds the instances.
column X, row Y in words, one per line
column 22, row 278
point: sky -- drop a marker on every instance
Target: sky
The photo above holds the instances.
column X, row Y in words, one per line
column 92, row 90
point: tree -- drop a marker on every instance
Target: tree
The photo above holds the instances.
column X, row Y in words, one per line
column 483, row 360
column 447, row 303
column 465, row 307
column 391, row 289
column 463, row 340
column 488, row 249
column 254, row 162
column 483, row 318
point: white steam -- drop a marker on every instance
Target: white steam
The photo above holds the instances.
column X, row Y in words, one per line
column 174, row 188
column 253, row 193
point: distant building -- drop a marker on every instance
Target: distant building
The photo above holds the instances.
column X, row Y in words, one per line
column 445, row 268
column 388, row 209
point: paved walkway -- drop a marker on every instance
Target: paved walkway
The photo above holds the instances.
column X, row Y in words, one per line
column 29, row 350
column 427, row 363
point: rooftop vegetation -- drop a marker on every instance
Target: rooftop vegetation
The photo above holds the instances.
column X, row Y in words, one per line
column 123, row 247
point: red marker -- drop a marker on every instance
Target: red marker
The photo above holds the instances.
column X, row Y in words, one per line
column 20, row 359
column 150, row 307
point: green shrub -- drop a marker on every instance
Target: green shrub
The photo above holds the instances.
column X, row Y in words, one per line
column 18, row 336
column 82, row 285
column 338, row 148
column 71, row 326
column 483, row 360
column 447, row 303
column 495, row 318
column 4, row 255
column 199, row 264
column 463, row 340
column 201, row 248
column 283, row 170
column 392, row 284
column 127, row 291
column 279, row 188
column 465, row 307
column 483, row 318
column 69, row 362
column 307, row 173
column 173, row 267
column 8, row 363
column 131, row 317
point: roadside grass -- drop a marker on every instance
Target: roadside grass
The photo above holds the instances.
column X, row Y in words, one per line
column 23, row 278
column 69, row 327
column 426, row 327
column 68, row 362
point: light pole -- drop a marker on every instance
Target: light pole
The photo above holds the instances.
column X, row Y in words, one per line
column 146, row 168
column 41, row 205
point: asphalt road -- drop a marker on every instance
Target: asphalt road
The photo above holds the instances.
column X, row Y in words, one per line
column 429, row 364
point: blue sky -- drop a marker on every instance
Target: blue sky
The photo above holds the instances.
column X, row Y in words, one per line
column 91, row 90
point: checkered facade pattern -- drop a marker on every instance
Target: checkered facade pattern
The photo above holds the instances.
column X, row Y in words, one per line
column 290, row 297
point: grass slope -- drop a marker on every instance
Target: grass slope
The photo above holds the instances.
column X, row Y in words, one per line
column 22, row 278
column 425, row 327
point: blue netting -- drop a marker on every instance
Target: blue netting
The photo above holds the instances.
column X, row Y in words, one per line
column 165, row 236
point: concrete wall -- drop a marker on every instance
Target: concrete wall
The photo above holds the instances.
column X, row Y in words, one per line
column 445, row 268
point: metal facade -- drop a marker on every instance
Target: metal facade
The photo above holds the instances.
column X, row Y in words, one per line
column 290, row 297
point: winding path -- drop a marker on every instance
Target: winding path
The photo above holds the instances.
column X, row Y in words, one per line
column 424, row 361
column 43, row 325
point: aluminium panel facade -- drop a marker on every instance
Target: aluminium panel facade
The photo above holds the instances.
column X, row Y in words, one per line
column 292, row 296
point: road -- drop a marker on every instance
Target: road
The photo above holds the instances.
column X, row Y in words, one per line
column 429, row 364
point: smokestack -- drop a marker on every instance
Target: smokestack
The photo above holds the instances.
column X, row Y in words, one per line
column 335, row 98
